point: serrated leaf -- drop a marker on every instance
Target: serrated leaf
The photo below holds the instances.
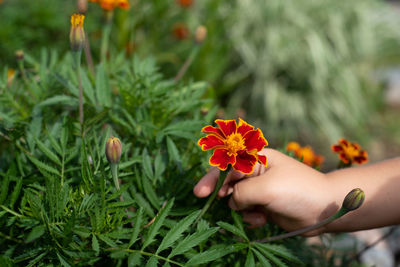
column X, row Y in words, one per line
column 215, row 252
column 134, row 259
column 147, row 166
column 36, row 260
column 63, row 261
column 126, row 164
column 103, row 91
column 108, row 241
column 237, row 220
column 233, row 229
column 88, row 88
column 176, row 232
column 152, row 262
column 173, row 151
column 95, row 244
column 279, row 250
column 150, row 193
column 261, row 258
column 272, row 258
column 47, row 152
column 59, row 100
column 136, row 227
column 192, row 241
column 36, row 232
column 142, row 202
column 250, row 260
column 158, row 222
column 42, row 166
column 159, row 166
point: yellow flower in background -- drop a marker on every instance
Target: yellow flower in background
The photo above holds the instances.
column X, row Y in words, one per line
column 10, row 74
column 77, row 34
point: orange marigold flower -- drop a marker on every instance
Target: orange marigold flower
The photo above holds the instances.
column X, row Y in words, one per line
column 350, row 152
column 234, row 144
column 180, row 31
column 292, row 147
column 112, row 4
column 305, row 154
column 185, row 3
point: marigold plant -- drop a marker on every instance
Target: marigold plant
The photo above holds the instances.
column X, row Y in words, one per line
column 234, row 144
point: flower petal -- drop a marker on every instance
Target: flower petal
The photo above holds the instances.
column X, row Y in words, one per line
column 221, row 159
column 255, row 140
column 209, row 142
column 343, row 141
column 245, row 162
column 262, row 159
column 213, row 130
column 337, row 148
column 244, row 127
column 343, row 158
column 228, row 127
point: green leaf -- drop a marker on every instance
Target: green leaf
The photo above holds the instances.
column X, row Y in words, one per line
column 87, row 87
column 233, row 229
column 192, row 241
column 279, row 250
column 215, row 252
column 95, row 244
column 176, row 232
column 150, row 193
column 134, row 259
column 147, row 166
column 173, row 150
column 159, row 166
column 126, row 164
column 261, row 258
column 63, row 261
column 48, row 153
column 103, row 91
column 42, row 166
column 108, row 241
column 272, row 258
column 237, row 220
column 37, row 259
column 250, row 259
column 152, row 262
column 136, row 227
column 142, row 202
column 36, row 232
column 59, row 100
column 153, row 231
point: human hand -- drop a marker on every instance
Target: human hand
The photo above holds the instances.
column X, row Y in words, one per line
column 286, row 192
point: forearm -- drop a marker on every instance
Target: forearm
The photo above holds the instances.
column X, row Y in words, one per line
column 381, row 185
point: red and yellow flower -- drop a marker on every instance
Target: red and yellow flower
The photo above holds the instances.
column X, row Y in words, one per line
column 305, row 154
column 185, row 3
column 112, row 4
column 234, row 144
column 180, row 31
column 350, row 152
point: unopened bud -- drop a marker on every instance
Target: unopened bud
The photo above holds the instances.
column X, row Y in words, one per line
column 113, row 149
column 77, row 34
column 19, row 55
column 82, row 6
column 354, row 199
column 201, row 34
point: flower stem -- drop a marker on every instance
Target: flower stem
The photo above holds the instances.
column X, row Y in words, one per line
column 106, row 36
column 187, row 63
column 220, row 182
column 77, row 57
column 335, row 216
column 114, row 172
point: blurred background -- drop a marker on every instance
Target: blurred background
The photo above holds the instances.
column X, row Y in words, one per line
column 310, row 71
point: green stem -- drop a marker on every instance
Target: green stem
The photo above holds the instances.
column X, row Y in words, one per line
column 144, row 253
column 187, row 63
column 106, row 36
column 220, row 182
column 77, row 57
column 335, row 216
column 114, row 172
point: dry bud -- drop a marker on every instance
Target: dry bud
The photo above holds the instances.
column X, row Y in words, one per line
column 201, row 34
column 354, row 199
column 113, row 149
column 82, row 6
column 77, row 34
column 19, row 54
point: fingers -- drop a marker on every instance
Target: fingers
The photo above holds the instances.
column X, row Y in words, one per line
column 249, row 192
column 207, row 184
column 254, row 218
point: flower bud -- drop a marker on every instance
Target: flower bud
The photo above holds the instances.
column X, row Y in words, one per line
column 201, row 34
column 113, row 149
column 77, row 34
column 19, row 55
column 82, row 6
column 354, row 199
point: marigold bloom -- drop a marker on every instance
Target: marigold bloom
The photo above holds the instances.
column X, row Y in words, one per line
column 305, row 154
column 185, row 3
column 235, row 145
column 180, row 31
column 112, row 4
column 350, row 152
column 113, row 149
column 10, row 75
column 77, row 34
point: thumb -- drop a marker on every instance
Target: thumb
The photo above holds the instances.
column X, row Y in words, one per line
column 249, row 192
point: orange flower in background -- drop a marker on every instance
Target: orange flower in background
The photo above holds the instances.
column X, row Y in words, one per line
column 180, row 31
column 185, row 3
column 305, row 154
column 235, row 145
column 112, row 4
column 350, row 152
column 10, row 75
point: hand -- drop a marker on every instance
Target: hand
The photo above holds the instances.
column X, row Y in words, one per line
column 286, row 192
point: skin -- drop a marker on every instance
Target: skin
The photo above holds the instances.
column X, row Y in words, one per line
column 293, row 195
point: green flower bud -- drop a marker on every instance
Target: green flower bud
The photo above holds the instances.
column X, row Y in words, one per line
column 77, row 34
column 113, row 149
column 354, row 199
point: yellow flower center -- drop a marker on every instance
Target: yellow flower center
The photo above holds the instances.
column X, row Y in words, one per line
column 350, row 151
column 77, row 20
column 234, row 143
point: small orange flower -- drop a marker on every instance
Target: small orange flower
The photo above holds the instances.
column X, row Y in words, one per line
column 350, row 152
column 10, row 75
column 110, row 5
column 180, row 31
column 185, row 3
column 77, row 34
column 235, row 145
column 305, row 154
